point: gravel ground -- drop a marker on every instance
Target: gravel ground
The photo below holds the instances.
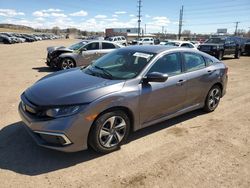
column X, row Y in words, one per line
column 193, row 150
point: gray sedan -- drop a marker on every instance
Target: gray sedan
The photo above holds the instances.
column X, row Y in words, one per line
column 89, row 52
column 123, row 91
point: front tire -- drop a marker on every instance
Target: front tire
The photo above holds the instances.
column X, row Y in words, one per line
column 109, row 131
column 67, row 63
column 212, row 99
column 220, row 55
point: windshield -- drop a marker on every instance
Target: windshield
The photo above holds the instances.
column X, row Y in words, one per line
column 215, row 40
column 172, row 44
column 120, row 64
column 77, row 46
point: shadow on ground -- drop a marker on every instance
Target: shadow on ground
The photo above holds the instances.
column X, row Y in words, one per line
column 43, row 69
column 19, row 153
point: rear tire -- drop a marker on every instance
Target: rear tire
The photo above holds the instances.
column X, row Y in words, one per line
column 109, row 131
column 237, row 54
column 212, row 99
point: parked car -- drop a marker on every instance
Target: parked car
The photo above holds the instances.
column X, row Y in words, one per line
column 54, row 52
column 126, row 90
column 247, row 47
column 89, row 52
column 146, row 41
column 119, row 40
column 12, row 38
column 221, row 46
column 178, row 43
column 5, row 39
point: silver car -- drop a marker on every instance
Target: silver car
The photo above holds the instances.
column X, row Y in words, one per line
column 89, row 52
column 123, row 91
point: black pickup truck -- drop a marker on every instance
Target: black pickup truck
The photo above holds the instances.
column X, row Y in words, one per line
column 221, row 46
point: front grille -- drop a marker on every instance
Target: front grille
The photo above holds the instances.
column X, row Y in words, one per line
column 33, row 110
column 205, row 48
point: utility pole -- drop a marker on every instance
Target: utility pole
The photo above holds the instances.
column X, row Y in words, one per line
column 145, row 30
column 139, row 17
column 236, row 28
column 162, row 29
column 180, row 22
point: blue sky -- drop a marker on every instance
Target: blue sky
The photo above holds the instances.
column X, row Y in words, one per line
column 200, row 16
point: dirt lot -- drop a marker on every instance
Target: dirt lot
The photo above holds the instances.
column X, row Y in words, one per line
column 193, row 150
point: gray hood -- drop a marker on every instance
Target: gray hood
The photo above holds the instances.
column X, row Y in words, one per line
column 70, row 87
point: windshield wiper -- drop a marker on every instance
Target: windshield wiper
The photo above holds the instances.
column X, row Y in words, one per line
column 107, row 73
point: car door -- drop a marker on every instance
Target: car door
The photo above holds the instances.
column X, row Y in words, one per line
column 106, row 47
column 198, row 77
column 229, row 46
column 161, row 99
column 90, row 53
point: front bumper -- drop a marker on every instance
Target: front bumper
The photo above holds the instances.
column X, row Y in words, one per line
column 67, row 134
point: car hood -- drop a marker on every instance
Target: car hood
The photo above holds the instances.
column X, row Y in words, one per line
column 58, row 48
column 70, row 87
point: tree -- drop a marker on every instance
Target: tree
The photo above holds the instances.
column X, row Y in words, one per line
column 56, row 30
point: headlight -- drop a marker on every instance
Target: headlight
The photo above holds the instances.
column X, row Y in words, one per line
column 62, row 111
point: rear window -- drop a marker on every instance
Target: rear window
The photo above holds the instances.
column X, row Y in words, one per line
column 209, row 61
column 193, row 62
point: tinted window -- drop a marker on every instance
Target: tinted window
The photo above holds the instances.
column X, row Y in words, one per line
column 169, row 64
column 186, row 45
column 193, row 61
column 146, row 39
column 208, row 61
column 92, row 46
column 106, row 45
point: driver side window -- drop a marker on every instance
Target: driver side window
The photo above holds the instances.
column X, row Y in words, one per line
column 168, row 64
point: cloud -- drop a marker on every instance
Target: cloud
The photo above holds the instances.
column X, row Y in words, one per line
column 147, row 16
column 131, row 15
column 120, row 12
column 49, row 13
column 100, row 16
column 58, row 15
column 40, row 14
column 160, row 21
column 114, row 15
column 79, row 13
column 52, row 10
column 10, row 13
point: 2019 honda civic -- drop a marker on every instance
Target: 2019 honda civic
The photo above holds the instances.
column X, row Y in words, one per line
column 123, row 91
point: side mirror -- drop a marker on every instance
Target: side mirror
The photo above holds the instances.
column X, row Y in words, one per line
column 156, row 77
column 83, row 49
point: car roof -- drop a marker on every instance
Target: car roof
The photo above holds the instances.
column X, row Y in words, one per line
column 149, row 48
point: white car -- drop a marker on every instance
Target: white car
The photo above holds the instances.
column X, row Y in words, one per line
column 119, row 40
column 179, row 43
column 146, row 41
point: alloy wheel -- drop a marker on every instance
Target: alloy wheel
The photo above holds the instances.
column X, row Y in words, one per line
column 112, row 131
column 67, row 64
column 213, row 98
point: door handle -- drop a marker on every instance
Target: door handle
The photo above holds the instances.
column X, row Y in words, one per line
column 180, row 82
column 210, row 72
